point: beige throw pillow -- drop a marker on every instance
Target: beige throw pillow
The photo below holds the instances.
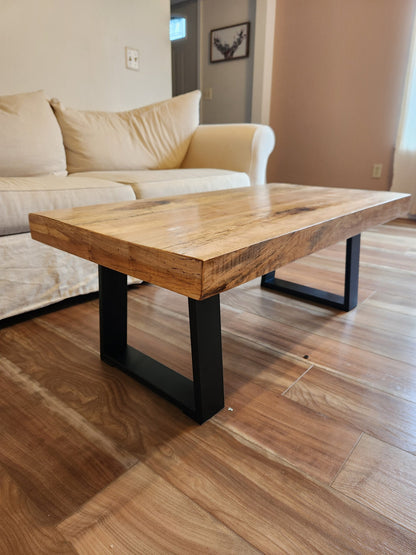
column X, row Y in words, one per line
column 30, row 137
column 152, row 137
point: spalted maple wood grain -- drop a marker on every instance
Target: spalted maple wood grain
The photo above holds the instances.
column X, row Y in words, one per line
column 201, row 244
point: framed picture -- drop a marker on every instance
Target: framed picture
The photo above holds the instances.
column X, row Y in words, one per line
column 230, row 43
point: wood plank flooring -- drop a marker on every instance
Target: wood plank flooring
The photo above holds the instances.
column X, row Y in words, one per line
column 315, row 451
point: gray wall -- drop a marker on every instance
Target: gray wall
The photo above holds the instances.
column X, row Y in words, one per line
column 231, row 82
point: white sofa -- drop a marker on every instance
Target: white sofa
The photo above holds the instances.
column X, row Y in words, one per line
column 56, row 157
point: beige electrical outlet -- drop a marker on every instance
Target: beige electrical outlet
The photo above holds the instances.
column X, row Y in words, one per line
column 377, row 171
column 132, row 58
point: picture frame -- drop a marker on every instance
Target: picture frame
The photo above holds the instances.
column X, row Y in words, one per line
column 230, row 43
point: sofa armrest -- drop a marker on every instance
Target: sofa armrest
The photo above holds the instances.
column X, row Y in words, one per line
column 243, row 147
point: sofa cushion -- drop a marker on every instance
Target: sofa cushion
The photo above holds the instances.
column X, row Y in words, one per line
column 161, row 183
column 21, row 195
column 30, row 139
column 152, row 137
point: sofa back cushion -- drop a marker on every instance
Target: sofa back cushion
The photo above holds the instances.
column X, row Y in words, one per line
column 152, row 137
column 30, row 139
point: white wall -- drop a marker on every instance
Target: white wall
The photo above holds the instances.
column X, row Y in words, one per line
column 74, row 50
column 231, row 82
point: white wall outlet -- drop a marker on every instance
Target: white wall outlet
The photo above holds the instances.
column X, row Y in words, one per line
column 132, row 58
column 377, row 170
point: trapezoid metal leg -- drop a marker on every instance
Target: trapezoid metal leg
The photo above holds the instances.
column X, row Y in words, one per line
column 113, row 311
column 201, row 398
column 205, row 328
column 352, row 265
column 346, row 302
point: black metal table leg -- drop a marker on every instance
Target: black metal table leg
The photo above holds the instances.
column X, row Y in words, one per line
column 113, row 311
column 346, row 302
column 352, row 264
column 201, row 398
column 205, row 326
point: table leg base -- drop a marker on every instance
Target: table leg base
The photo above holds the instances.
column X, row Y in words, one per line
column 346, row 302
column 199, row 398
column 166, row 382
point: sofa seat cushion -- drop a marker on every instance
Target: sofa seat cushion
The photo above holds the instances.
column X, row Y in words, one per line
column 21, row 195
column 162, row 183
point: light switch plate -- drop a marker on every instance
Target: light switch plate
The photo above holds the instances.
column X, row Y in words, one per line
column 207, row 94
column 132, row 58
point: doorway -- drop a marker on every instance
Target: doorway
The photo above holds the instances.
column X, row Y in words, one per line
column 185, row 50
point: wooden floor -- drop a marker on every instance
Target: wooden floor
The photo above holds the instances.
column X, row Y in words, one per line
column 315, row 451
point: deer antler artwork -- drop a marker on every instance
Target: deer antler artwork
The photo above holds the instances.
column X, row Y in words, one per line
column 226, row 50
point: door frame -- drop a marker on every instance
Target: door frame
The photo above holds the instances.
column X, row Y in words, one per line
column 198, row 34
column 263, row 61
column 263, row 57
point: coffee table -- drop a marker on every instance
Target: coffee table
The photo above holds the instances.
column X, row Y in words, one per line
column 200, row 245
